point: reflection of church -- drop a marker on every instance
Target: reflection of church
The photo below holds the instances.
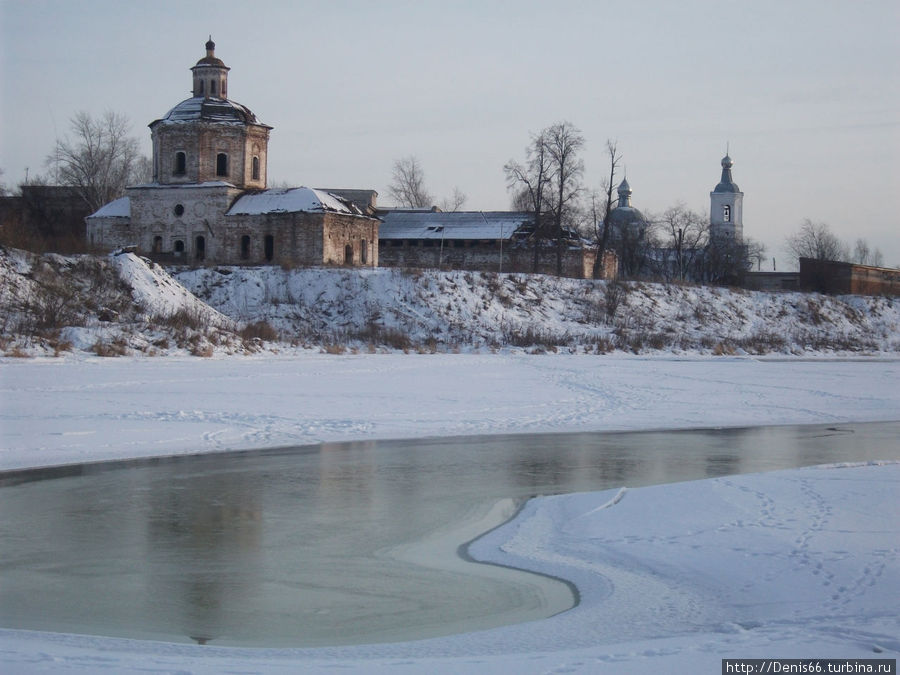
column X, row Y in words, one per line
column 208, row 199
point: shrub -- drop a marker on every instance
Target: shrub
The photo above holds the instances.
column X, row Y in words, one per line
column 259, row 330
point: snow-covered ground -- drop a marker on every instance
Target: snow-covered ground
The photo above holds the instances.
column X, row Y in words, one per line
column 673, row 578
column 801, row 563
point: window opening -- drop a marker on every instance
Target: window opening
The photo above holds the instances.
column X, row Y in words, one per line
column 270, row 247
column 245, row 247
column 200, row 248
column 180, row 163
column 179, row 247
column 157, row 244
column 212, row 87
column 254, row 171
column 179, row 209
column 348, row 254
column 363, row 252
column 221, row 164
column 727, row 214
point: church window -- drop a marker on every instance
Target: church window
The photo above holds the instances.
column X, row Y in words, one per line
column 179, row 209
column 212, row 87
column 363, row 251
column 180, row 163
column 179, row 247
column 202, row 87
column 157, row 244
column 348, row 254
column 200, row 248
column 269, row 244
column 221, row 164
column 727, row 214
column 254, row 168
column 245, row 247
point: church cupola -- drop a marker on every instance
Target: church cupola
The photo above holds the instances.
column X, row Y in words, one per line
column 624, row 193
column 210, row 75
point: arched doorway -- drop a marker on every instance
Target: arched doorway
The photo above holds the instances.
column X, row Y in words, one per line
column 200, row 248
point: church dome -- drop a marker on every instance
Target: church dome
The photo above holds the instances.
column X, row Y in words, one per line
column 727, row 184
column 210, row 110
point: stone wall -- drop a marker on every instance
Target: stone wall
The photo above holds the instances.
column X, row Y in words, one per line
column 578, row 263
column 829, row 276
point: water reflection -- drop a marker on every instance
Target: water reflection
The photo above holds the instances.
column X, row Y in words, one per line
column 337, row 544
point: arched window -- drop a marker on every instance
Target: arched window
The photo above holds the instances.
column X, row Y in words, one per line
column 180, row 163
column 348, row 254
column 726, row 216
column 179, row 210
column 212, row 87
column 157, row 244
column 179, row 247
column 245, row 247
column 254, row 168
column 221, row 164
column 269, row 244
column 202, row 87
column 200, row 248
column 363, row 252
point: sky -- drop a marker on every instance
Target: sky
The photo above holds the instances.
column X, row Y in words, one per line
column 805, row 95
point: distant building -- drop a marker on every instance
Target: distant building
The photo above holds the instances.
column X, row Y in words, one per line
column 208, row 201
column 726, row 208
column 494, row 241
column 629, row 235
column 49, row 215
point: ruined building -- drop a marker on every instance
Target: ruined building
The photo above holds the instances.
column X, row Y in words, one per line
column 208, row 200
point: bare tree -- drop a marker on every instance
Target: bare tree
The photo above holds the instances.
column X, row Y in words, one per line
column 863, row 255
column 603, row 224
column 686, row 233
column 100, row 159
column 816, row 241
column 530, row 183
column 564, row 143
column 454, row 202
column 408, row 186
column 727, row 261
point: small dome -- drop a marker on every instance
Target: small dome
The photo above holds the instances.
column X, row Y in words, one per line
column 624, row 187
column 210, row 45
column 726, row 162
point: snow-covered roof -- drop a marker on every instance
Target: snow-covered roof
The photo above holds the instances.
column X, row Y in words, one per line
column 292, row 200
column 452, row 225
column 210, row 110
column 118, row 208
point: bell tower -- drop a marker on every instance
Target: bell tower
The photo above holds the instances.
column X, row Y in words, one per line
column 726, row 207
column 210, row 75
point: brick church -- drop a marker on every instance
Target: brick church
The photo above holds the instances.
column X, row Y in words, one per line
column 208, row 200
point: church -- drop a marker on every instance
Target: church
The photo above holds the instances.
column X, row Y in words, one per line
column 208, row 202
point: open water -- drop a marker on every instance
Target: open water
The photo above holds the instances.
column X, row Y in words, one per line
column 341, row 543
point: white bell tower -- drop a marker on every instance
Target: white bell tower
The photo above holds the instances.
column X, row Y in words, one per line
column 726, row 208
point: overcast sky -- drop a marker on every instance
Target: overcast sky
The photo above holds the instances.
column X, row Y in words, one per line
column 807, row 93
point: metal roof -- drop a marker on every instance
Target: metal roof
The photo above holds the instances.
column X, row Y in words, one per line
column 451, row 225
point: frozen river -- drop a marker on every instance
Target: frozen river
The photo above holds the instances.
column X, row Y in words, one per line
column 341, row 543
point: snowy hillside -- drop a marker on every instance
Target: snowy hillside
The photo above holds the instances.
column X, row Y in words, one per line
column 124, row 304
column 445, row 311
